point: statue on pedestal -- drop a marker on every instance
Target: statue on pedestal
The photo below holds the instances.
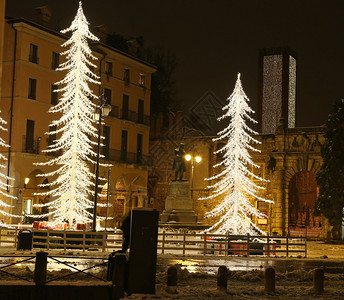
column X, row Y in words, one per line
column 178, row 204
column 179, row 163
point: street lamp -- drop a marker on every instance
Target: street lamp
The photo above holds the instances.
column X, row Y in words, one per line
column 26, row 181
column 102, row 111
column 192, row 159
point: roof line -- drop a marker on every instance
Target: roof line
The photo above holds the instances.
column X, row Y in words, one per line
column 92, row 45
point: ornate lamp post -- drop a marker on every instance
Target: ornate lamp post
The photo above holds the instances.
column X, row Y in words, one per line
column 102, row 111
column 192, row 159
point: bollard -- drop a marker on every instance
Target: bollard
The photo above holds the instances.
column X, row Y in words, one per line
column 172, row 279
column 119, row 275
column 269, row 278
column 40, row 275
column 109, row 270
column 318, row 280
column 222, row 274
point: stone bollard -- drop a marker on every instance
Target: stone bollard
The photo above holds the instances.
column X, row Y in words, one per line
column 269, row 278
column 40, row 275
column 172, row 279
column 119, row 275
column 318, row 280
column 222, row 274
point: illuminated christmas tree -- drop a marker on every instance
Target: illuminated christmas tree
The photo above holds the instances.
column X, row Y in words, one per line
column 72, row 184
column 4, row 181
column 234, row 184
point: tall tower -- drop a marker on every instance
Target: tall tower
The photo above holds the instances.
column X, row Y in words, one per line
column 2, row 24
column 277, row 88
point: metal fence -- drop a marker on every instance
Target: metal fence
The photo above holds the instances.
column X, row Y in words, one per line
column 75, row 264
column 224, row 245
column 82, row 240
column 168, row 242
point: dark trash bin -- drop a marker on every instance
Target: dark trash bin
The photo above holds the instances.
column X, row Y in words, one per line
column 143, row 251
column 24, row 240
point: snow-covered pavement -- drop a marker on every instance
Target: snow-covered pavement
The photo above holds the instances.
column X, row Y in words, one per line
column 197, row 278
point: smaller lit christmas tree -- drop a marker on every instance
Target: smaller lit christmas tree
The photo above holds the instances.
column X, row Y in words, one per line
column 4, row 179
column 234, row 185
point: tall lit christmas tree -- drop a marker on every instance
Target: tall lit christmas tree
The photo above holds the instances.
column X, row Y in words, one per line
column 234, row 184
column 72, row 184
column 4, row 179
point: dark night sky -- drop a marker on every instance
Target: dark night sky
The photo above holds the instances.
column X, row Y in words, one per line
column 215, row 39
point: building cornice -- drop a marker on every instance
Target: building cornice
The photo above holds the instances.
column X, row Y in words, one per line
column 97, row 47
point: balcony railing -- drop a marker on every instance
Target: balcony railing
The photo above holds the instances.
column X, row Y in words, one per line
column 114, row 111
column 49, row 141
column 31, row 145
column 127, row 157
column 135, row 117
column 129, row 115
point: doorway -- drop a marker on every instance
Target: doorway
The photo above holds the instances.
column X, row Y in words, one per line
column 302, row 197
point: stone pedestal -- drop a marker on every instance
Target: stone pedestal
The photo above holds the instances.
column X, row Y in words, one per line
column 178, row 205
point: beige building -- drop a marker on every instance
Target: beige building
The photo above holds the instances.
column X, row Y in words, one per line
column 30, row 57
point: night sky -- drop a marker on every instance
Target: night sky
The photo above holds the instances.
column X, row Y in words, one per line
column 215, row 39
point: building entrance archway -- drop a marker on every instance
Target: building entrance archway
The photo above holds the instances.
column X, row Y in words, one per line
column 302, row 196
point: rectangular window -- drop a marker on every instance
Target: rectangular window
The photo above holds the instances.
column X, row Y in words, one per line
column 106, row 141
column 107, row 95
column 141, row 80
column 30, row 133
column 108, row 68
column 33, row 56
column 54, row 95
column 125, row 107
column 32, row 88
column 140, row 111
column 139, row 148
column 124, row 145
column 55, row 60
column 51, row 137
column 126, row 76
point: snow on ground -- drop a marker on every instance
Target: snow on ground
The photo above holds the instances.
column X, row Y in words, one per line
column 295, row 282
column 247, row 285
column 317, row 249
column 292, row 284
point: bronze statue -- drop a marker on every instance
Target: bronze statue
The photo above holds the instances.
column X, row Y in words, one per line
column 179, row 163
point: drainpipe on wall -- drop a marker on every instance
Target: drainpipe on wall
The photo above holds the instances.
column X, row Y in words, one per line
column 100, row 87
column 284, row 197
column 100, row 72
column 11, row 109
